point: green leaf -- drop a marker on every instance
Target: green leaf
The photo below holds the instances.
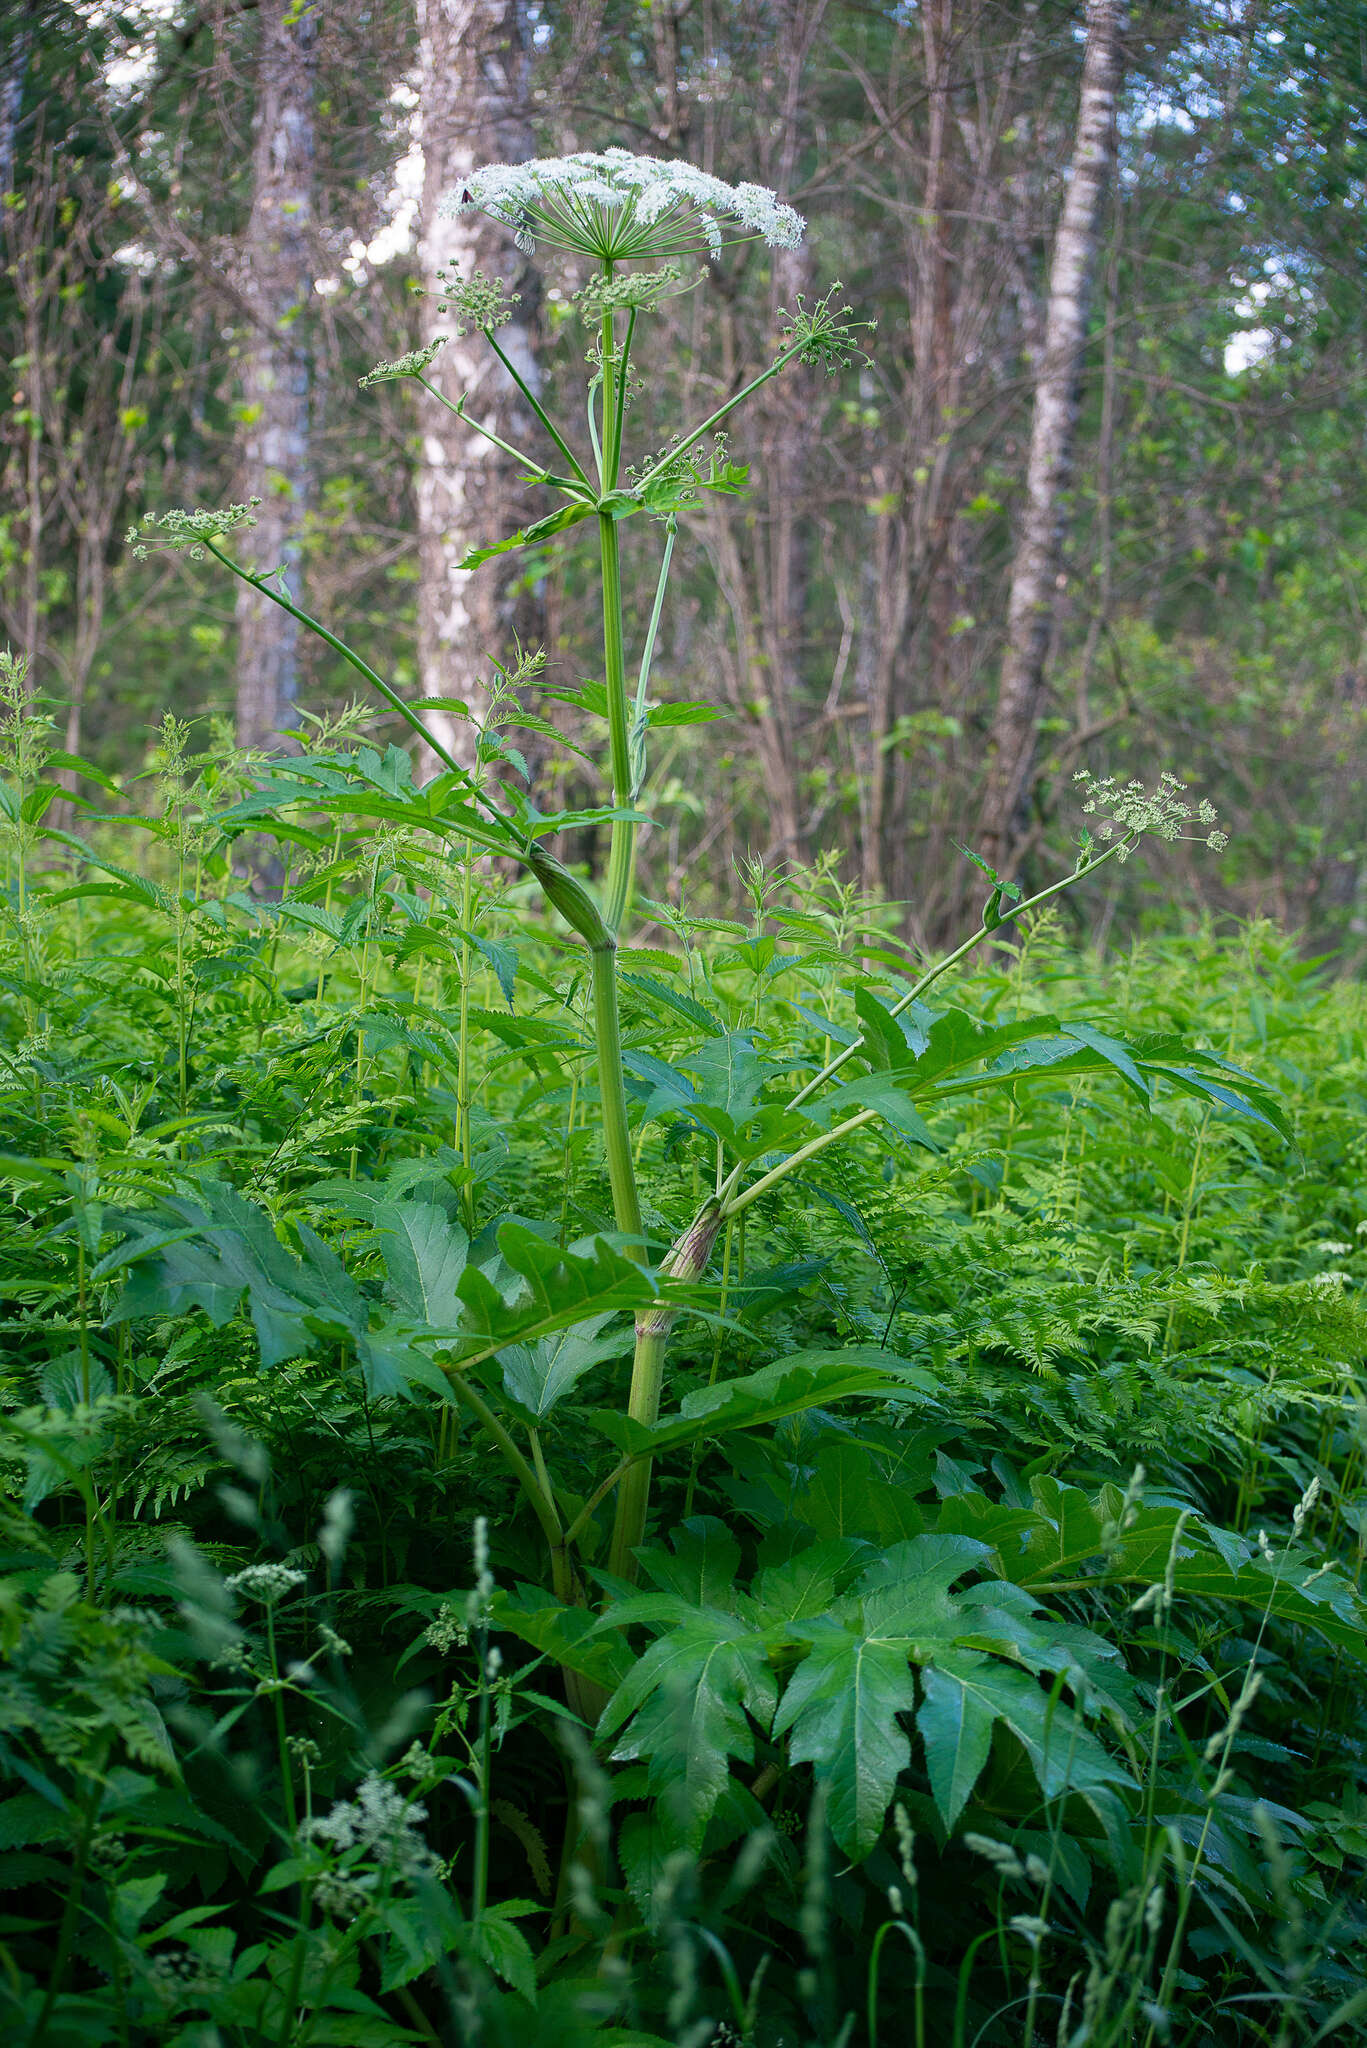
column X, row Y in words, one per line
column 889, row 1041
column 730, row 1074
column 81, row 767
column 1114, row 1053
column 879, row 1092
column 505, row 1950
column 692, row 1701
column 644, row 1850
column 801, row 1380
column 425, row 1253
column 672, row 999
column 560, row 1287
column 840, row 1711
column 543, row 529
column 538, row 1375
column 804, row 1585
column 570, row 1636
column 955, row 1724
column 662, row 715
column 702, row 1566
column 1064, row 1755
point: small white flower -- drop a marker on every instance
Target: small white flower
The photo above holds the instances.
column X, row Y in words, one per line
column 381, row 1822
column 619, row 207
column 1133, row 810
column 180, row 531
column 411, row 365
column 265, row 1582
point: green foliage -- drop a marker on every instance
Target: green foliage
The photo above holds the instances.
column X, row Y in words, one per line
column 905, row 1586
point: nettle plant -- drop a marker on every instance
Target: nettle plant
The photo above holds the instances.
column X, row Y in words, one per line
column 503, row 1323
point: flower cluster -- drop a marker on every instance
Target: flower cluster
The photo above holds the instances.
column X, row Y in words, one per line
column 447, row 1632
column 477, row 301
column 824, row 333
column 380, row 1822
column 411, row 365
column 1130, row 809
column 179, row 530
column 639, row 290
column 615, row 206
column 267, row 1583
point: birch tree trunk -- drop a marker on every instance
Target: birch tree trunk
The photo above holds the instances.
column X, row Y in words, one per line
column 12, row 102
column 475, row 102
column 1036, row 572
column 275, row 282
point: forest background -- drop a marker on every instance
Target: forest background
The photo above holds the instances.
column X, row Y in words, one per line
column 216, row 217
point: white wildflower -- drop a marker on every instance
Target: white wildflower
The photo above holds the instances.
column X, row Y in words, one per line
column 340, row 1898
column 447, row 1632
column 379, row 1821
column 178, row 530
column 636, row 290
column 1132, row 810
column 1332, row 1249
column 477, row 301
column 618, row 207
column 411, row 365
column 267, row 1583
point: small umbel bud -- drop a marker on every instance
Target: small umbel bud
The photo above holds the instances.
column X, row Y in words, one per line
column 571, row 899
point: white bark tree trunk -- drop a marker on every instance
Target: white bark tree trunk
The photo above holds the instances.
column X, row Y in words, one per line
column 275, row 281
column 1035, row 576
column 475, row 98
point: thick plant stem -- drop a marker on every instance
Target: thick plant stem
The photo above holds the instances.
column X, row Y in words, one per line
column 619, row 725
column 687, row 1260
column 626, row 1206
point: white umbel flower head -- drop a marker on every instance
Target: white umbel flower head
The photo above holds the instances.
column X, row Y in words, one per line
column 618, row 207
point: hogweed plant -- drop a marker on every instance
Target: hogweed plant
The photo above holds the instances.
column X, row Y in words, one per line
column 640, row 223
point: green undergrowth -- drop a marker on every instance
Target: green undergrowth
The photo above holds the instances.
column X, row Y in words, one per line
column 992, row 1669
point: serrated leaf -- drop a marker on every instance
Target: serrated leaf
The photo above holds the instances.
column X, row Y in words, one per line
column 955, row 1724
column 804, row 1585
column 691, row 1703
column 801, row 1380
column 673, row 999
column 840, row 1711
column 702, row 1565
column 881, row 1093
column 1065, row 1756
column 889, row 1041
column 538, row 1375
column 529, row 536
column 662, row 715
column 568, row 1635
column 505, row 1950
column 425, row 1252
column 730, row 1074
column 644, row 1850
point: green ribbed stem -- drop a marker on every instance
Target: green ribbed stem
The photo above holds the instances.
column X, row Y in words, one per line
column 623, row 846
column 633, row 1493
column 686, row 1260
column 626, row 1207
